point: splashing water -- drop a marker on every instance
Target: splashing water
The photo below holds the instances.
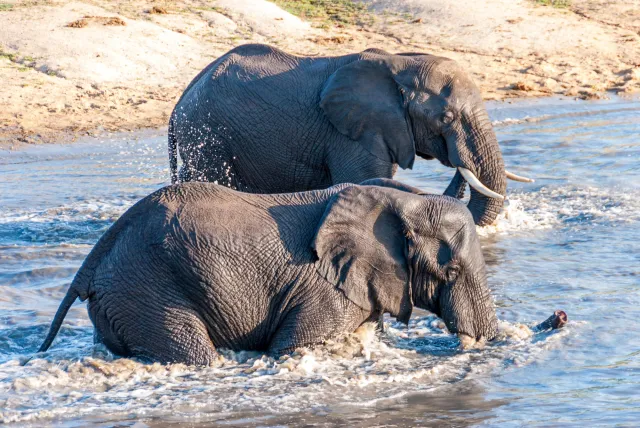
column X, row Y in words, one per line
column 85, row 380
column 570, row 241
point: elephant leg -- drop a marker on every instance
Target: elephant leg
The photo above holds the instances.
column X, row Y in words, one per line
column 180, row 336
column 103, row 329
column 381, row 323
column 312, row 324
column 167, row 335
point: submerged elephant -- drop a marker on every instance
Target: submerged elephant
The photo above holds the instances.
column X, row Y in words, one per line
column 197, row 266
column 262, row 121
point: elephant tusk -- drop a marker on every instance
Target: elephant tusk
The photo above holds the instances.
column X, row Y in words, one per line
column 514, row 177
column 476, row 184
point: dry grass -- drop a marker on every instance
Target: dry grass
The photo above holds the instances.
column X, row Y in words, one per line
column 104, row 20
column 560, row 4
column 326, row 12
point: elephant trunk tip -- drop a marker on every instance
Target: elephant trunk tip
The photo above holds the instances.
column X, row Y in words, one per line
column 558, row 320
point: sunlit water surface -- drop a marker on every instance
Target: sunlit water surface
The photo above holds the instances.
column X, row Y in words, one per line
column 571, row 240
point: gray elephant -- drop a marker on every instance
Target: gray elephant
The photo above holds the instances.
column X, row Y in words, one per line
column 196, row 266
column 262, row 121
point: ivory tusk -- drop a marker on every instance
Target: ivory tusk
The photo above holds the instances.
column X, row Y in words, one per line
column 514, row 177
column 476, row 184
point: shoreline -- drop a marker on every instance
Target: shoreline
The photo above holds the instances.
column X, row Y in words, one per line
column 90, row 68
column 492, row 105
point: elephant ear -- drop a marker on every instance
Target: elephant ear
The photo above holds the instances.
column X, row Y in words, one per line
column 363, row 101
column 361, row 248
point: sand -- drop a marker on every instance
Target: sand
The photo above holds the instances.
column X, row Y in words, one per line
column 76, row 68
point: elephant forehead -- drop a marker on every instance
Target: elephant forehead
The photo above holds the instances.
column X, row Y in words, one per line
column 446, row 79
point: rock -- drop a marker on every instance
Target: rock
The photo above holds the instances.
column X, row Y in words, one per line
column 549, row 84
column 522, row 86
column 544, row 69
column 158, row 10
column 630, row 86
column 591, row 95
column 632, row 74
column 571, row 92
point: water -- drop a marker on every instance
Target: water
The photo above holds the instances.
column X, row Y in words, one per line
column 571, row 241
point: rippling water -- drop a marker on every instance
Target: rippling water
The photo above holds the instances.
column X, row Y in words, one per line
column 571, row 240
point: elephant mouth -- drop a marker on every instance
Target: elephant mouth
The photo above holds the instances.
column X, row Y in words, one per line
column 424, row 155
column 468, row 175
column 444, row 156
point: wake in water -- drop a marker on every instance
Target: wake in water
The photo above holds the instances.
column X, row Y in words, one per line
column 78, row 379
column 564, row 206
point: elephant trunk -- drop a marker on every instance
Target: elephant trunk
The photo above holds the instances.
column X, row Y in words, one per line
column 468, row 310
column 483, row 208
column 480, row 158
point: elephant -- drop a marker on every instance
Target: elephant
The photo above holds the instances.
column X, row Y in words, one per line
column 194, row 267
column 260, row 120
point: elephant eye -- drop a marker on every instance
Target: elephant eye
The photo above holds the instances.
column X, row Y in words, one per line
column 448, row 117
column 451, row 273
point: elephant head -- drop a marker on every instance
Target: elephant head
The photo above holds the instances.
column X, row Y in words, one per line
column 400, row 105
column 388, row 250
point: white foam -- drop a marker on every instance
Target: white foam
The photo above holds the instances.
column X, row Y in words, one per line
column 83, row 380
column 519, row 215
column 556, row 206
column 515, row 121
column 87, row 210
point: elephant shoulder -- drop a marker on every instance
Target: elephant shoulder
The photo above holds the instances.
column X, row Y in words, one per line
column 260, row 53
column 231, row 62
column 254, row 49
column 374, row 51
column 254, row 61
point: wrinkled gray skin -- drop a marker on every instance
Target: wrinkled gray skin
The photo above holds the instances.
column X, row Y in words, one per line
column 196, row 266
column 263, row 121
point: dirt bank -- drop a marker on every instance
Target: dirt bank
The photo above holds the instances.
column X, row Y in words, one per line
column 72, row 68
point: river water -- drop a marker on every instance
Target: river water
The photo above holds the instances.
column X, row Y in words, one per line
column 570, row 241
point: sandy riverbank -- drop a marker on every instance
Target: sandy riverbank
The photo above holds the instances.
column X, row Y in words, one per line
column 77, row 68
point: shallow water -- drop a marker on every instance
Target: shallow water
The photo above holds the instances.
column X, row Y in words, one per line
column 571, row 241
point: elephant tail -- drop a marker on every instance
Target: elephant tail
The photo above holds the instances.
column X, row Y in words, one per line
column 81, row 284
column 173, row 152
column 64, row 307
